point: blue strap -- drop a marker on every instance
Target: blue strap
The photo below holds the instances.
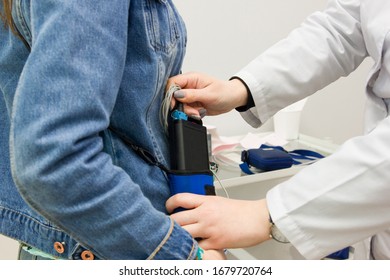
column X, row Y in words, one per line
column 245, row 168
column 343, row 254
column 296, row 154
column 304, row 155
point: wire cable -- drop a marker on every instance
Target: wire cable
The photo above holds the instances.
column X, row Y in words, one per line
column 220, row 183
column 166, row 106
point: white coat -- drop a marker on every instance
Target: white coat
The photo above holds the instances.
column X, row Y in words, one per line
column 344, row 198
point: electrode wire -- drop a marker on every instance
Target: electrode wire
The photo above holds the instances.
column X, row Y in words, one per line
column 166, row 106
column 220, row 183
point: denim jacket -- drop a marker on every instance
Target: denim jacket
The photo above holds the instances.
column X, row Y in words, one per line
column 75, row 185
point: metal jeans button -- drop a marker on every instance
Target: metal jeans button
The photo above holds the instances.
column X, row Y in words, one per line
column 87, row 255
column 59, row 247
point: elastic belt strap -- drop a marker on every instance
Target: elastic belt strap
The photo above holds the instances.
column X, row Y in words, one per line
column 147, row 156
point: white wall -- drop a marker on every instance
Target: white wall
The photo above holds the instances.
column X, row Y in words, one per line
column 224, row 35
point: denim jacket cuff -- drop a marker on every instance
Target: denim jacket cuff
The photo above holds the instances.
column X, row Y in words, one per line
column 176, row 245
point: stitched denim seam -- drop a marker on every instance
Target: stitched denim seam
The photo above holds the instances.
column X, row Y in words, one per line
column 26, row 31
column 163, row 241
column 192, row 250
column 150, row 21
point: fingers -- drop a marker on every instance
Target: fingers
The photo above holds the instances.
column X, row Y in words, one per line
column 194, row 100
column 191, row 110
column 185, row 218
column 188, row 220
column 198, row 91
column 206, row 244
column 192, row 86
column 181, row 80
column 199, row 112
column 195, row 230
column 191, row 80
column 185, row 200
column 190, row 98
column 190, row 95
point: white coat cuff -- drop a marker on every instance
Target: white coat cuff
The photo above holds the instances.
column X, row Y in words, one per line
column 257, row 115
column 287, row 225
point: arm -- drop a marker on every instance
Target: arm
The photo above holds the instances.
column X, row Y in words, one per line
column 339, row 200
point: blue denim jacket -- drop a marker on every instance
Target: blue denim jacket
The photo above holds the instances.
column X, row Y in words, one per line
column 91, row 64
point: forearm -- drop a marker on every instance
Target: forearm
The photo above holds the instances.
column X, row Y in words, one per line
column 339, row 200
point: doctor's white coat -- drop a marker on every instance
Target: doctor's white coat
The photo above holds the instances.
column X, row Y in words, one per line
column 344, row 198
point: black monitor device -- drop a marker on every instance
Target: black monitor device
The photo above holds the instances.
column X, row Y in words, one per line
column 188, row 146
column 189, row 157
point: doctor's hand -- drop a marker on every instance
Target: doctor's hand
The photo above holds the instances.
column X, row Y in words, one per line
column 221, row 222
column 203, row 94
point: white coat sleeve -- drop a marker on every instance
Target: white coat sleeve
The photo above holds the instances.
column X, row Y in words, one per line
column 326, row 46
column 339, row 200
column 345, row 197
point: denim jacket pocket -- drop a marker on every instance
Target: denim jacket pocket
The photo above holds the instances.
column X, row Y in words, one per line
column 162, row 25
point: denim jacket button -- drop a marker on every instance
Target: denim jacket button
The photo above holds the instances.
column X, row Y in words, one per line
column 87, row 255
column 59, row 247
